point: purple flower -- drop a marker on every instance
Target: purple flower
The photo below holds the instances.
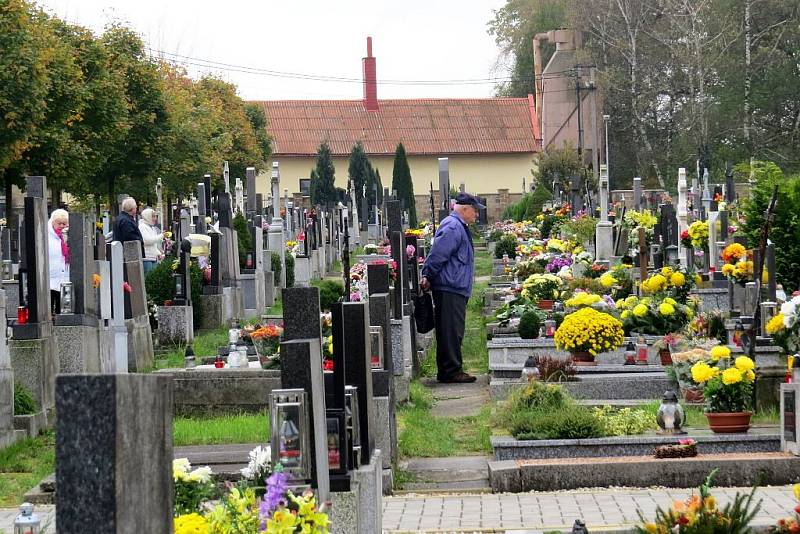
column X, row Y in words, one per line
column 557, row 263
column 355, row 296
column 410, row 251
column 276, row 493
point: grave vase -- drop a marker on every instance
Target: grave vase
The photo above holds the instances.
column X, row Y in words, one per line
column 728, row 423
column 583, row 358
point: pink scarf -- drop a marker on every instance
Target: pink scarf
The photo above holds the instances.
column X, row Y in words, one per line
column 64, row 246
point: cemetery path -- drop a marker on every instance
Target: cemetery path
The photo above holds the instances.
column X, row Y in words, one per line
column 458, row 400
column 608, row 510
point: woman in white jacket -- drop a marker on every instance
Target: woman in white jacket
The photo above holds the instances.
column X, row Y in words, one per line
column 58, row 255
column 153, row 238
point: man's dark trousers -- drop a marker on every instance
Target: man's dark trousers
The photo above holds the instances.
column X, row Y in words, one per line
column 451, row 310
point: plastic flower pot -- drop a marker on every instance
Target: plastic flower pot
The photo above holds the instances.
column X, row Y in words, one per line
column 728, row 423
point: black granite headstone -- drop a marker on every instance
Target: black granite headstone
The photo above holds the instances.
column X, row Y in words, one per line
column 301, row 319
column 358, row 370
column 224, row 207
column 789, row 426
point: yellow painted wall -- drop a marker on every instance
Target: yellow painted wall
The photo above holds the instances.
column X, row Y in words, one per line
column 480, row 174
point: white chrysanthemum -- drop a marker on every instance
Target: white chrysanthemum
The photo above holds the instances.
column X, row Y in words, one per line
column 201, row 474
column 181, row 464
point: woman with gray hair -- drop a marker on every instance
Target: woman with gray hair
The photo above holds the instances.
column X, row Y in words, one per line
column 152, row 238
column 58, row 255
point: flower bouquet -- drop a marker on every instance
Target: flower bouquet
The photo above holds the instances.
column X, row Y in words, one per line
column 588, row 332
column 789, row 525
column 267, row 340
column 192, row 487
column 785, row 327
column 658, row 315
column 259, row 466
column 542, row 287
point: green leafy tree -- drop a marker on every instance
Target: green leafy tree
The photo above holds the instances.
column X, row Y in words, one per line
column 359, row 169
column 25, row 58
column 244, row 238
column 402, row 183
column 323, row 190
column 258, row 120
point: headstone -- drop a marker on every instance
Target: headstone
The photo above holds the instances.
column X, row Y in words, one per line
column 226, row 177
column 713, row 252
column 250, row 179
column 224, row 209
column 207, row 189
column 358, row 370
column 444, row 188
column 7, row 435
column 118, row 307
column 637, row 193
column 301, row 368
column 201, row 209
column 275, row 235
column 114, row 453
column 239, row 196
column 682, row 215
column 604, row 231
column 730, row 189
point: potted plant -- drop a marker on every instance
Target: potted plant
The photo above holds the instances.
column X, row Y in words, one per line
column 665, row 346
column 542, row 289
column 682, row 363
column 727, row 389
column 588, row 332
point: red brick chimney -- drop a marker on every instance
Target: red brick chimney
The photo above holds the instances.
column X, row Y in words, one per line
column 370, row 79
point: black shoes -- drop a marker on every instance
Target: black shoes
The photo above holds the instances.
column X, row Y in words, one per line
column 459, row 378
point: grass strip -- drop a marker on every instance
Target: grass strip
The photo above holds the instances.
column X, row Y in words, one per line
column 23, row 465
column 241, row 428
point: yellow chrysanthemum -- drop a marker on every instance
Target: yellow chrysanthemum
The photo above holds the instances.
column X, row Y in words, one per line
column 607, row 280
column 667, row 271
column 640, row 310
column 697, row 279
column 750, row 375
column 677, row 279
column 731, row 375
column 720, row 352
column 670, row 300
column 702, row 372
column 666, row 308
column 625, row 314
column 775, row 324
column 728, row 269
column 743, row 363
column 796, row 489
column 191, row 524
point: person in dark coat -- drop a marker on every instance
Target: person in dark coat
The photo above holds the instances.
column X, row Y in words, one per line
column 125, row 226
column 448, row 271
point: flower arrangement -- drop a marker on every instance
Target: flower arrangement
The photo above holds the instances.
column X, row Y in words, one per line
column 733, row 253
column 193, row 523
column 370, row 249
column 726, row 388
column 657, row 315
column 266, row 340
column 698, row 234
column 740, row 272
column 785, row 327
column 588, row 330
column 700, row 514
column 639, row 219
column 673, row 282
column 259, row 465
column 192, row 487
column 541, row 287
column 789, row 525
column 583, row 299
column 237, row 512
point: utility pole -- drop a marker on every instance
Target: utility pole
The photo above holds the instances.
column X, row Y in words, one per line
column 595, row 152
column 578, row 84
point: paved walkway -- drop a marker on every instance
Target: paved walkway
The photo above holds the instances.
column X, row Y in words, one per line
column 602, row 509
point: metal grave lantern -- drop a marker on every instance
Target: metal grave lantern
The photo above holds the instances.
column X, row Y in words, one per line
column 530, row 371
column 376, row 347
column 66, row 297
column 336, row 420
column 27, row 522
column 179, row 294
column 290, row 442
column 352, row 422
column 672, row 255
column 8, row 270
column 670, row 416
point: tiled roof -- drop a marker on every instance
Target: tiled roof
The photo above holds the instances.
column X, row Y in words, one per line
column 424, row 126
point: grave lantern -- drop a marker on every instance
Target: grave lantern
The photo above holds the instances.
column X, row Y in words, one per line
column 670, row 416
column 27, row 522
column 796, row 370
column 630, row 353
column 672, row 256
column 8, row 270
column 291, row 446
column 738, row 333
column 641, row 351
column 376, row 347
column 530, row 371
column 768, row 311
column 66, row 297
column 178, row 286
column 337, row 441
column 352, row 422
column 189, row 358
column 549, row 328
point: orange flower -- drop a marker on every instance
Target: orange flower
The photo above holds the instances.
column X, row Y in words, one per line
column 95, row 280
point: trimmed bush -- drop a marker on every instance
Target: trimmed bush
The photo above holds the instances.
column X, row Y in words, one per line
column 330, row 291
column 570, row 422
column 289, row 270
column 506, row 245
column 276, row 267
column 530, row 325
column 160, row 286
column 243, row 237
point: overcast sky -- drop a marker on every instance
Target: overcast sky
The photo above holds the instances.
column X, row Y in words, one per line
column 413, row 40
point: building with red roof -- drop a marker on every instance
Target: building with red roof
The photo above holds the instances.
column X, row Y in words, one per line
column 490, row 142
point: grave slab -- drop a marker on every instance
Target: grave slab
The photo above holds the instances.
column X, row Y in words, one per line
column 175, row 325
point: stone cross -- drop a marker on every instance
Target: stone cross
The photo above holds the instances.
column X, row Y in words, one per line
column 226, row 176
column 604, row 232
column 275, row 236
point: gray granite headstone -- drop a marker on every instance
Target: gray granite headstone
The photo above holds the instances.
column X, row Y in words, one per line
column 114, row 453
column 37, row 257
column 250, row 185
column 81, row 264
column 134, row 275
column 36, row 187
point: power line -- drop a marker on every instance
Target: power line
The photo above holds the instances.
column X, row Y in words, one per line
column 229, row 67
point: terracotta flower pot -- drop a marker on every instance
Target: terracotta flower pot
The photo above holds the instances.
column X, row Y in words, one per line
column 583, row 358
column 545, row 304
column 727, row 423
column 693, row 395
column 666, row 357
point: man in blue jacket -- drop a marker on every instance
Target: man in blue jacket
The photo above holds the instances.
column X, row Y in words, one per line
column 448, row 271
